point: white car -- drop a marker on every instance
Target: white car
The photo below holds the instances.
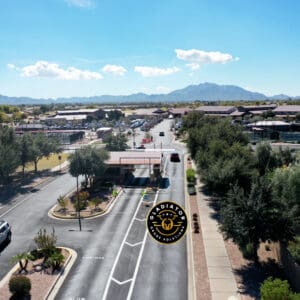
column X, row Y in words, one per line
column 5, row 232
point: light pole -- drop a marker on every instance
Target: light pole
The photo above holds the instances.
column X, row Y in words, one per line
column 77, row 194
column 133, row 135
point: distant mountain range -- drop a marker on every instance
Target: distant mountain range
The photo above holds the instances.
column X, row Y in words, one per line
column 203, row 92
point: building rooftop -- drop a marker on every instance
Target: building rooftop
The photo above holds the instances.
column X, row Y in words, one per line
column 76, row 111
column 287, row 108
column 181, row 110
column 134, row 158
column 269, row 123
column 69, row 117
column 216, row 108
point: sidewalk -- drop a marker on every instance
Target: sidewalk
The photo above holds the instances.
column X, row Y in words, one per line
column 212, row 268
column 222, row 282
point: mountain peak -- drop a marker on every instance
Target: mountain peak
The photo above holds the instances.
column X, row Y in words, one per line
column 205, row 91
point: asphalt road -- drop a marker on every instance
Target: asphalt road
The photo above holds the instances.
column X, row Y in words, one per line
column 117, row 259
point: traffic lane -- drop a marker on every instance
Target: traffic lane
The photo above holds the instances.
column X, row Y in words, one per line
column 167, row 138
column 126, row 262
column 97, row 254
column 89, row 276
column 163, row 270
column 31, row 215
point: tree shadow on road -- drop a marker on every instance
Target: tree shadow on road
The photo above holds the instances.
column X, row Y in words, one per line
column 19, row 185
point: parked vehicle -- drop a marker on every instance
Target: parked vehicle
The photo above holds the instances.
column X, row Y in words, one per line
column 191, row 189
column 174, row 157
column 141, row 147
column 5, row 232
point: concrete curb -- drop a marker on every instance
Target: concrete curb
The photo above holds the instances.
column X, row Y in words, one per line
column 111, row 205
column 192, row 293
column 54, row 289
column 8, row 275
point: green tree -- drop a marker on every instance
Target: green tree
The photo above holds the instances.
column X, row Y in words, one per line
column 8, row 152
column 277, row 289
column 254, row 218
column 43, row 146
column 116, row 142
column 89, row 162
column 266, row 160
column 25, row 150
column 286, row 189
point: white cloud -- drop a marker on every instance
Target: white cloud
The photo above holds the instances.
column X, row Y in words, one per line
column 81, row 3
column 11, row 66
column 196, row 57
column 154, row 71
column 46, row 69
column 114, row 69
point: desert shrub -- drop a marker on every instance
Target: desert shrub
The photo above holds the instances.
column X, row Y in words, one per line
column 114, row 193
column 62, row 201
column 191, row 175
column 46, row 242
column 19, row 285
column 55, row 260
column 36, row 254
column 275, row 289
column 96, row 201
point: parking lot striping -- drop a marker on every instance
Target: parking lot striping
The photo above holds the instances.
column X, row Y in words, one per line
column 139, row 258
column 121, row 282
column 120, row 250
column 133, row 245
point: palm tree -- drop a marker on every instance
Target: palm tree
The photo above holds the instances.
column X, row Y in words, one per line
column 22, row 259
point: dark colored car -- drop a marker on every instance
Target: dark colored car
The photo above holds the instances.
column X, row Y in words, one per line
column 191, row 189
column 161, row 133
column 174, row 157
column 141, row 147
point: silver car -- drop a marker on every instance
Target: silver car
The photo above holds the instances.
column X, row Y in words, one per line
column 5, row 232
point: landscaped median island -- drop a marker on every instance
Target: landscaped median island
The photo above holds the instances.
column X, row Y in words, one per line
column 89, row 203
column 37, row 272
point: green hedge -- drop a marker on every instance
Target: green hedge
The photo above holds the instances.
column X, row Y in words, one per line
column 190, row 175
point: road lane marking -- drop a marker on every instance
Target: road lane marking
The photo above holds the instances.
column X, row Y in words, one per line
column 93, row 257
column 120, row 250
column 121, row 282
column 141, row 220
column 133, row 245
column 139, row 258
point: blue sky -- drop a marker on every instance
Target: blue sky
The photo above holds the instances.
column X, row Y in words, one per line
column 63, row 48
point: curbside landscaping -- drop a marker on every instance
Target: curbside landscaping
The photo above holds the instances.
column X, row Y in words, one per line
column 54, row 215
column 51, row 291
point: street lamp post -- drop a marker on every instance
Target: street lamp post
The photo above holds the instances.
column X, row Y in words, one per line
column 133, row 135
column 77, row 186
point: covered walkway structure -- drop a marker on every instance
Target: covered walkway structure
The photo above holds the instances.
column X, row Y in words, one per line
column 128, row 161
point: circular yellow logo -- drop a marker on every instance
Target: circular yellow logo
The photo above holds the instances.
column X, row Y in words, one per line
column 167, row 222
